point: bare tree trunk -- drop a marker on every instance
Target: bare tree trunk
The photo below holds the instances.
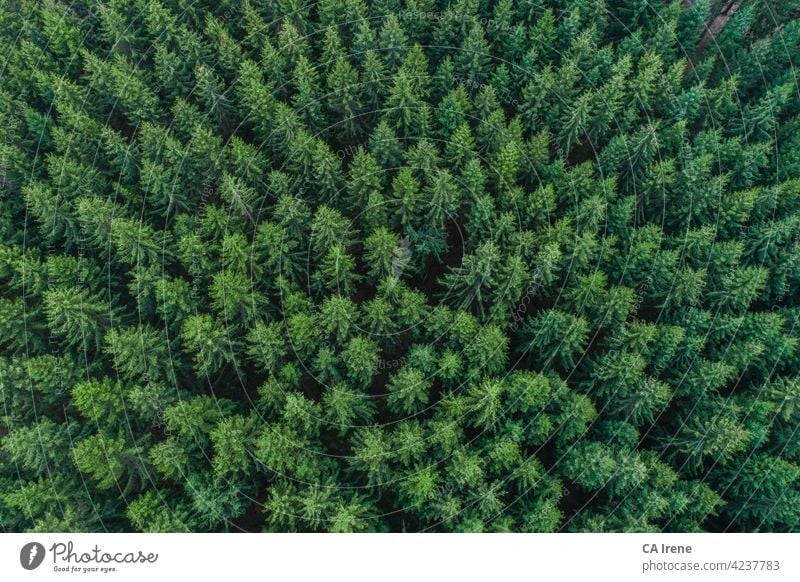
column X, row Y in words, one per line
column 713, row 28
column 718, row 23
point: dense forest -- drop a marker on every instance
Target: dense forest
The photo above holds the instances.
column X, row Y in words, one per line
column 399, row 265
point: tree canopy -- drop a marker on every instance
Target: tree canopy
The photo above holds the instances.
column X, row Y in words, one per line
column 399, row 265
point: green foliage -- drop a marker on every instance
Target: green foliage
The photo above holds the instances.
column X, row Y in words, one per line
column 399, row 266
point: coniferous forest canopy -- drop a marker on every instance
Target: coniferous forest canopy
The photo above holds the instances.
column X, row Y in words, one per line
column 400, row 265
